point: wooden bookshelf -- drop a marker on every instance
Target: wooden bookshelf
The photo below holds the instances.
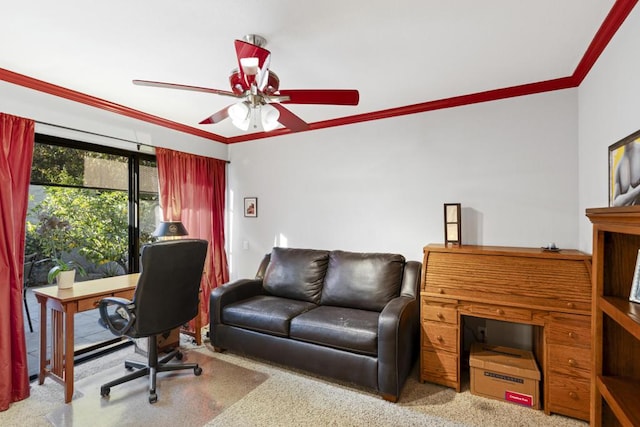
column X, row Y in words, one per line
column 615, row 320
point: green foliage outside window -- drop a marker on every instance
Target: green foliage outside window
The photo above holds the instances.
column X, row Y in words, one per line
column 94, row 223
column 60, row 165
column 79, row 208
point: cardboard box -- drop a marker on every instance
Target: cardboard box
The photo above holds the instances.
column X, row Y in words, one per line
column 166, row 341
column 169, row 340
column 506, row 374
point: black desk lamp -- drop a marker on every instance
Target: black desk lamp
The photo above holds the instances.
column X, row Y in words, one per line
column 170, row 229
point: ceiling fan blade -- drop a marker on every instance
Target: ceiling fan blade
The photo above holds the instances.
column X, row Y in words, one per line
column 185, row 87
column 290, row 120
column 321, row 96
column 216, row 117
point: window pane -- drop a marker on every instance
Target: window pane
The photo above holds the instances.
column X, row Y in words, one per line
column 111, row 173
column 87, row 226
column 75, row 167
column 148, row 177
column 79, row 206
column 149, row 200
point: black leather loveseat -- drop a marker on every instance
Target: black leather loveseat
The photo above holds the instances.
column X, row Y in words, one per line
column 345, row 315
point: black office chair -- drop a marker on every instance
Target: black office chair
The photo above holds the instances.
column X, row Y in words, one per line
column 166, row 297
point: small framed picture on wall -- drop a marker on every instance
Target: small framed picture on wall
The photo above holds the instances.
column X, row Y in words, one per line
column 251, row 207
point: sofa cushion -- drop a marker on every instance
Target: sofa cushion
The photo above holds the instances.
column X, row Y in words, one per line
column 362, row 280
column 296, row 273
column 264, row 313
column 343, row 328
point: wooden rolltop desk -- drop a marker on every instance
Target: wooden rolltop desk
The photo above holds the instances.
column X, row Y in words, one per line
column 549, row 290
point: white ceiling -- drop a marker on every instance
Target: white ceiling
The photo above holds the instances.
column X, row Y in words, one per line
column 396, row 53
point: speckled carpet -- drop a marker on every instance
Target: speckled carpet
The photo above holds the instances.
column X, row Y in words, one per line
column 237, row 391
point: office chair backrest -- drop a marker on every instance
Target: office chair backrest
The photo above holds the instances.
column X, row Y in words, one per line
column 167, row 293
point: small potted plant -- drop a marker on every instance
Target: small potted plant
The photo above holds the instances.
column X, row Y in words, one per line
column 64, row 272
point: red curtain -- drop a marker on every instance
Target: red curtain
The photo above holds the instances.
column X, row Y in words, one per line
column 16, row 153
column 192, row 190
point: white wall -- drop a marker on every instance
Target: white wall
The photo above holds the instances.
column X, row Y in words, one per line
column 380, row 186
column 609, row 110
column 45, row 108
column 525, row 169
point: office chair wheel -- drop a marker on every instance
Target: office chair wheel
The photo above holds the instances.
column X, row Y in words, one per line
column 179, row 355
column 197, row 371
column 104, row 391
column 153, row 397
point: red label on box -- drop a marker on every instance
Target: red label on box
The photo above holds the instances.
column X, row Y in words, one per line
column 522, row 399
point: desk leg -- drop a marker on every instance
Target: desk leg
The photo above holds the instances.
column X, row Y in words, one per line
column 43, row 338
column 68, row 353
column 61, row 363
column 56, row 365
column 197, row 327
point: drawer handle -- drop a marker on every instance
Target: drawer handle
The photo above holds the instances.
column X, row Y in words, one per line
column 500, row 311
column 571, row 305
column 439, row 338
column 96, row 303
column 440, row 316
column 441, row 291
column 572, row 362
column 572, row 334
column 573, row 395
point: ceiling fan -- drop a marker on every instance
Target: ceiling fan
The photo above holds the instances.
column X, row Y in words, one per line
column 257, row 90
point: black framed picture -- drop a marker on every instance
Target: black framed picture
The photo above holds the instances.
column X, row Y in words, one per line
column 634, row 295
column 624, row 171
column 452, row 223
column 251, row 207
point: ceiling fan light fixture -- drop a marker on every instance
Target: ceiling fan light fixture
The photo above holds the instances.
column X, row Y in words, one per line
column 249, row 66
column 254, row 87
column 240, row 115
column 269, row 116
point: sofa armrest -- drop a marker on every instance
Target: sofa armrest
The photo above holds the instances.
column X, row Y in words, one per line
column 398, row 339
column 232, row 292
column 411, row 279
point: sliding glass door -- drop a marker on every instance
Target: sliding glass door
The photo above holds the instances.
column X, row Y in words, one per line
column 95, row 206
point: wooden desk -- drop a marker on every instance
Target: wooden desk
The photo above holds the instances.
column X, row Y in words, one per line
column 549, row 290
column 64, row 304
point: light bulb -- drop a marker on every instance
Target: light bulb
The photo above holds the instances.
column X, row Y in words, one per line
column 270, row 116
column 249, row 66
column 239, row 114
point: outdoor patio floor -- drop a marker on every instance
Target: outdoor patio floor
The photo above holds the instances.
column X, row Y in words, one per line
column 87, row 331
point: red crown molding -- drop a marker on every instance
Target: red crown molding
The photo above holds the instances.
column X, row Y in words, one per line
column 456, row 101
column 72, row 95
column 607, row 30
column 618, row 13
